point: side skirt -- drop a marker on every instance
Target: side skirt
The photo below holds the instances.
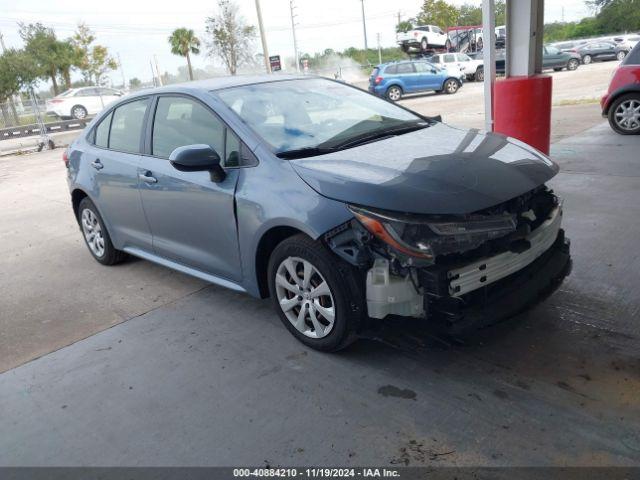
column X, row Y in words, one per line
column 207, row 277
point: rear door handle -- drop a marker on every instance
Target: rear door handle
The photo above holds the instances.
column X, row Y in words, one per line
column 97, row 164
column 147, row 177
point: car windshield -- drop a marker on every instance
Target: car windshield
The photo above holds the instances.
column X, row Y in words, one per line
column 307, row 114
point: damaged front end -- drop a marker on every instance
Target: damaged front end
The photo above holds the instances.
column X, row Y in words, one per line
column 459, row 270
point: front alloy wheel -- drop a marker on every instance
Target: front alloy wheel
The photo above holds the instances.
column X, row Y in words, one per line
column 79, row 112
column 620, row 56
column 305, row 297
column 319, row 297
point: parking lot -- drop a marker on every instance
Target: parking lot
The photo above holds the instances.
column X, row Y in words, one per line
column 150, row 367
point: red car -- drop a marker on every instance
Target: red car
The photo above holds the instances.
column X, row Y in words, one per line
column 621, row 103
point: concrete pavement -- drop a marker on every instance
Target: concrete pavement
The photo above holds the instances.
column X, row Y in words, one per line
column 210, row 377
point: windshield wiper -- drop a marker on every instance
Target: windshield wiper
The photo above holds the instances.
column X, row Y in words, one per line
column 377, row 134
column 304, row 152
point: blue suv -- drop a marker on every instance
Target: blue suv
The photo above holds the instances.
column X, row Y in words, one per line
column 392, row 80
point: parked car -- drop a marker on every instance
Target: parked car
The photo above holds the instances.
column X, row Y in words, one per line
column 596, row 51
column 80, row 102
column 627, row 42
column 568, row 46
column 395, row 79
column 500, row 37
column 552, row 57
column 470, row 67
column 621, row 103
column 240, row 182
column 423, row 37
column 500, row 61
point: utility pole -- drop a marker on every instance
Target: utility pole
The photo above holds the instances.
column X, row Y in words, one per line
column 153, row 73
column 399, row 17
column 124, row 81
column 265, row 50
column 293, row 30
column 379, row 49
column 364, row 27
column 155, row 59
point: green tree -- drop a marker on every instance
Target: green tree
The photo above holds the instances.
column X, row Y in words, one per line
column 404, row 26
column 100, row 63
column 45, row 49
column 17, row 70
column 470, row 15
column 438, row 12
column 619, row 16
column 81, row 40
column 134, row 83
column 184, row 42
column 229, row 37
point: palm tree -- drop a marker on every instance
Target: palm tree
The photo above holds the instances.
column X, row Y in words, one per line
column 184, row 42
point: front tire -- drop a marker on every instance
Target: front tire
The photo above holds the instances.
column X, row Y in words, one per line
column 394, row 93
column 479, row 76
column 319, row 298
column 96, row 236
column 620, row 56
column 624, row 114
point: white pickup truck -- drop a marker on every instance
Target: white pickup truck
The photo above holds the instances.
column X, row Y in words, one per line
column 473, row 69
column 423, row 37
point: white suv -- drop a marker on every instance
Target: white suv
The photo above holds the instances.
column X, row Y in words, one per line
column 471, row 68
column 423, row 37
column 80, row 102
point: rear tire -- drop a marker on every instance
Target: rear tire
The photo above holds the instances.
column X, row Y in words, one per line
column 424, row 44
column 96, row 236
column 479, row 76
column 616, row 115
column 620, row 56
column 587, row 59
column 479, row 44
column 558, row 69
column 336, row 313
column 79, row 112
column 572, row 64
column 394, row 93
column 451, row 86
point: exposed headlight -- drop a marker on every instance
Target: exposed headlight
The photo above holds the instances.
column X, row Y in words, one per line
column 426, row 238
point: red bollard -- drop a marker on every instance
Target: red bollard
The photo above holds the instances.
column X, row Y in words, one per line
column 522, row 109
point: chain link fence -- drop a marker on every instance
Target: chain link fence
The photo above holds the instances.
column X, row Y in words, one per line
column 18, row 112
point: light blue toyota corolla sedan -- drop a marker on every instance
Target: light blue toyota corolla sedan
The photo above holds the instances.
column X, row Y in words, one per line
column 337, row 204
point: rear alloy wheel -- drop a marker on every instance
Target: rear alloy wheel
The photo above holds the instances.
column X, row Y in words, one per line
column 587, row 59
column 96, row 236
column 424, row 45
column 79, row 112
column 572, row 64
column 624, row 114
column 479, row 44
column 318, row 296
column 394, row 93
column 451, row 86
column 480, row 74
column 621, row 54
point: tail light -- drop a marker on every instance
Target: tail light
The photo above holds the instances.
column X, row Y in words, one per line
column 56, row 100
column 377, row 80
column 65, row 158
column 416, row 34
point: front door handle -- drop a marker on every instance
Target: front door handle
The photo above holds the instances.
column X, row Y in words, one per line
column 97, row 164
column 147, row 177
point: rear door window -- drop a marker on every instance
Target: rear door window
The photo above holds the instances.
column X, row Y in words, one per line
column 126, row 126
column 449, row 58
column 405, row 68
column 391, row 69
column 633, row 57
column 102, row 132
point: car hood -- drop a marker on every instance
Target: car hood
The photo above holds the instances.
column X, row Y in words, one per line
column 436, row 170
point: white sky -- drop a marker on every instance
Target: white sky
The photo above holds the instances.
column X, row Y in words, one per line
column 139, row 29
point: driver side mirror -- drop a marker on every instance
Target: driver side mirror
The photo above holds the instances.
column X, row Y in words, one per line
column 197, row 158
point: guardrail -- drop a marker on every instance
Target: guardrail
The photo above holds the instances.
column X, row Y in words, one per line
column 34, row 128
